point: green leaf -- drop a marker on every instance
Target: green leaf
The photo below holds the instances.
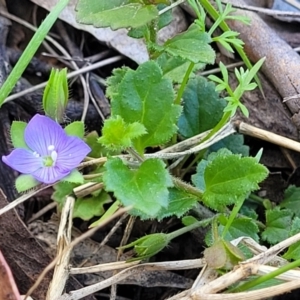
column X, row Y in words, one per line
column 249, row 210
column 295, row 228
column 98, row 150
column 17, row 130
column 198, row 178
column 293, row 252
column 234, row 143
column 92, row 140
column 115, row 13
column 175, row 67
column 202, row 107
column 75, row 177
column 192, row 45
column 117, row 135
column 163, row 20
column 189, row 220
column 25, row 182
column 146, row 188
column 167, row 17
column 292, row 199
column 113, row 81
column 180, row 202
column 278, row 225
column 138, row 33
column 75, row 129
column 146, row 97
column 89, row 207
column 241, row 226
column 62, row 189
column 230, row 178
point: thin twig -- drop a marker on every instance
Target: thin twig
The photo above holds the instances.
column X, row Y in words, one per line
column 105, row 240
column 78, row 240
column 135, row 270
column 69, row 75
column 23, row 198
column 265, row 11
column 42, row 211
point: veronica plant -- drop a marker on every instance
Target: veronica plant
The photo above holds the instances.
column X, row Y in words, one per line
column 146, row 111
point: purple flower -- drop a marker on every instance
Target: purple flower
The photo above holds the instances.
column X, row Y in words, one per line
column 51, row 153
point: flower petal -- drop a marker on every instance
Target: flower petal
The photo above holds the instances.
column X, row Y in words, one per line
column 42, row 132
column 49, row 175
column 71, row 153
column 23, row 161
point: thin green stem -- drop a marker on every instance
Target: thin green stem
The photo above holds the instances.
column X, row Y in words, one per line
column 250, row 284
column 232, row 216
column 181, row 90
column 30, row 50
column 256, row 199
column 191, row 227
column 193, row 4
column 187, row 187
column 151, row 39
column 222, row 122
column 214, row 227
column 184, row 82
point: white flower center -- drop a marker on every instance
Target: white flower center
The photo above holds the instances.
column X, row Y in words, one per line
column 50, row 160
column 53, row 156
column 36, row 154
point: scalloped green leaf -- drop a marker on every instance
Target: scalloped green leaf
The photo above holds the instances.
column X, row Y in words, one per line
column 75, row 129
column 146, row 97
column 230, row 178
column 202, row 107
column 62, row 189
column 98, row 150
column 192, row 45
column 75, row 177
column 198, row 178
column 180, row 203
column 115, row 13
column 117, row 135
column 234, row 143
column 292, row 199
column 293, row 252
column 113, row 81
column 278, row 225
column 17, row 130
column 89, row 207
column 146, row 188
column 25, row 182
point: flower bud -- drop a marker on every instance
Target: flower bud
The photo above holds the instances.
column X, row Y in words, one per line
column 148, row 245
column 56, row 94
